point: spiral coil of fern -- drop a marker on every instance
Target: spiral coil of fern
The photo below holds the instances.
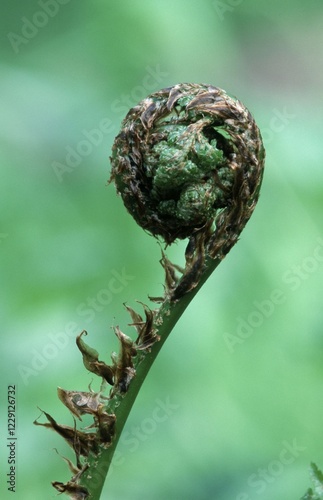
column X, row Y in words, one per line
column 188, row 156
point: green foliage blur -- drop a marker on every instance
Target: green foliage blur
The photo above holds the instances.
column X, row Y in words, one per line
column 315, row 493
column 232, row 409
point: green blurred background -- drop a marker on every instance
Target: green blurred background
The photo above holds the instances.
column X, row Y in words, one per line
column 241, row 374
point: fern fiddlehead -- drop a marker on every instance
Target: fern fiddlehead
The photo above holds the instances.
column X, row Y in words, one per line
column 188, row 163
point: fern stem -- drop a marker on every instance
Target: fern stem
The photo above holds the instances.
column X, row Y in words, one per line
column 164, row 322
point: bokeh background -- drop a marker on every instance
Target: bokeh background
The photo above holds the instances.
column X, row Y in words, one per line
column 240, row 379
